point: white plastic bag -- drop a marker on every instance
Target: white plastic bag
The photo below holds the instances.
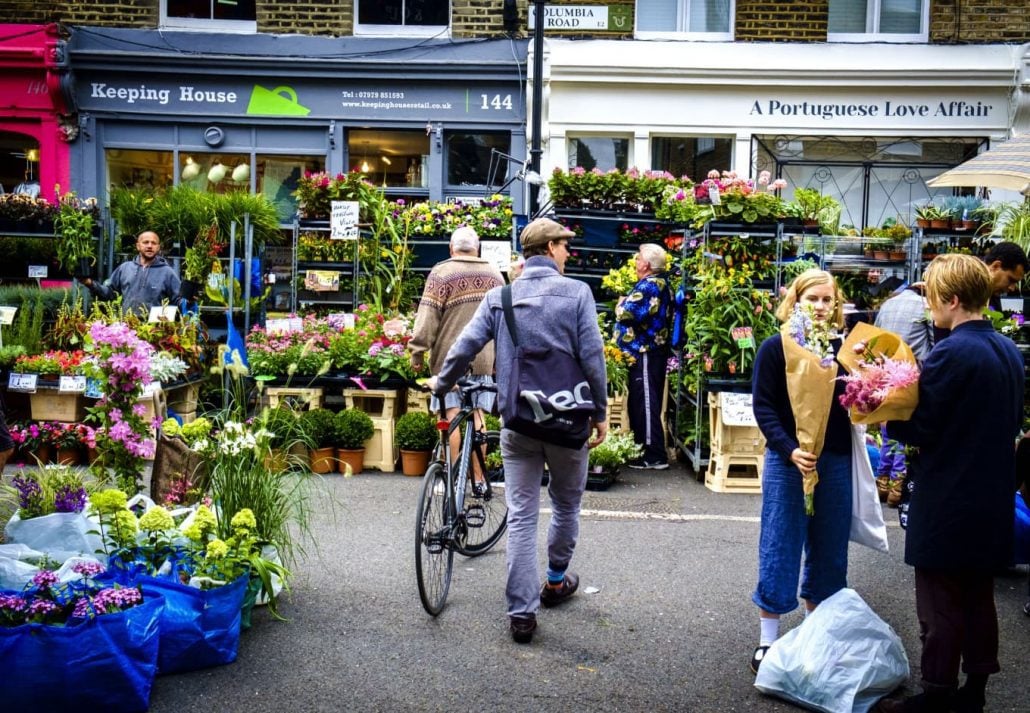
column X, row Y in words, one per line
column 842, row 659
column 867, row 526
column 60, row 535
column 15, row 569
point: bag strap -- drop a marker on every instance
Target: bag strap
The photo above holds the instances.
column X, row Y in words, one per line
column 509, row 314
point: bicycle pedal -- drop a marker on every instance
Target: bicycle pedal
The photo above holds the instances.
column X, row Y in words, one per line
column 434, row 545
column 475, row 516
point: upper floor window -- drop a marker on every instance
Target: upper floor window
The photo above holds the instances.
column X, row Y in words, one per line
column 215, row 15
column 878, row 20
column 603, row 152
column 701, row 19
column 401, row 17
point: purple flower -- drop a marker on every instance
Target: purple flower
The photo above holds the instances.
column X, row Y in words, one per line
column 88, row 569
column 44, row 578
column 69, row 498
column 29, row 493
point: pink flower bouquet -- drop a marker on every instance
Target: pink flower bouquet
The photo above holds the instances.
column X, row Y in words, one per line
column 882, row 380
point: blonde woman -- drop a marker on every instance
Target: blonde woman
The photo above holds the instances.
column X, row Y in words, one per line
column 786, row 531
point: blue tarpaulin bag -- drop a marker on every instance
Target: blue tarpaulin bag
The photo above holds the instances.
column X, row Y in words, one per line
column 199, row 627
column 1022, row 531
column 105, row 664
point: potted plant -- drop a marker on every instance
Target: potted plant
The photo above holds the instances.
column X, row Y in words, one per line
column 198, row 261
column 352, row 429
column 604, row 461
column 900, row 234
column 415, row 435
column 924, row 213
column 812, row 206
column 73, row 230
column 318, row 427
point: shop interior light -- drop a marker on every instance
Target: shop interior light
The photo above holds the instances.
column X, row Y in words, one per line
column 32, row 155
column 364, row 166
column 386, row 160
column 241, row 174
column 191, row 170
column 217, row 173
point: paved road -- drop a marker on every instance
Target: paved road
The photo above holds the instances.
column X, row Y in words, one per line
column 670, row 629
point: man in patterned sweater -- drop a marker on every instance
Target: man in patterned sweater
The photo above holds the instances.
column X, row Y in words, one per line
column 453, row 291
column 642, row 331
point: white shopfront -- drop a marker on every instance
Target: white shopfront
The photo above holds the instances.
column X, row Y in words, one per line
column 868, row 123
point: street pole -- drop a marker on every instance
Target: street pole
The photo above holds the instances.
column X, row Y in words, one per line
column 538, row 97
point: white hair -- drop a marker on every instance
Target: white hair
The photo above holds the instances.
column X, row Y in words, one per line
column 654, row 255
column 465, row 240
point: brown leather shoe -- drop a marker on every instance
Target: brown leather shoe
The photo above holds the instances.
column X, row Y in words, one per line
column 553, row 596
column 522, row 627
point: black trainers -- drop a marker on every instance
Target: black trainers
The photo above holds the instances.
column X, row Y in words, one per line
column 522, row 627
column 642, row 464
column 553, row 596
column 756, row 658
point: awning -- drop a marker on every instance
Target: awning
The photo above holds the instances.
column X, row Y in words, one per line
column 1005, row 166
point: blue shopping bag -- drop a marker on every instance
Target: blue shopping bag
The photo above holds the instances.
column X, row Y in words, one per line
column 200, row 628
column 1022, row 531
column 107, row 663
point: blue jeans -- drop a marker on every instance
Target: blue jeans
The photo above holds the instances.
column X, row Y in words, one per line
column 786, row 531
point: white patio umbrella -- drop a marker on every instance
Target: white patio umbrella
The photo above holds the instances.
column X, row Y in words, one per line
column 1007, row 166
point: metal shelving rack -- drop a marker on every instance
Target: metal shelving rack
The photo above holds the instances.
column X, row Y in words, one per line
column 351, row 269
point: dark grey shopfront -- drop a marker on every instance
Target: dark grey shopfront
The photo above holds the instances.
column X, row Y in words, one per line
column 421, row 118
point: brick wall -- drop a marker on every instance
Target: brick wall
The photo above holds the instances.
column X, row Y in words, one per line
column 306, row 17
column 485, row 18
column 781, row 21
column 99, row 13
column 979, row 21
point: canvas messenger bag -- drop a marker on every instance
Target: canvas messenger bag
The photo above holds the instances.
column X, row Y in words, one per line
column 548, row 396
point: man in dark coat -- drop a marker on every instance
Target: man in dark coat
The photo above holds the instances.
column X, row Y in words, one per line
column 143, row 282
column 961, row 513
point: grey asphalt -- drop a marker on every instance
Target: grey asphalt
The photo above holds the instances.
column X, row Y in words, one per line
column 670, row 628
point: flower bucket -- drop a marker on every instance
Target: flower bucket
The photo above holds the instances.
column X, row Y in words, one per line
column 322, row 460
column 105, row 664
column 414, row 462
column 59, row 534
column 199, row 627
column 69, row 456
column 347, row 457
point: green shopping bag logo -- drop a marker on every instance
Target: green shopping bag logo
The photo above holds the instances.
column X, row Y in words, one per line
column 281, row 101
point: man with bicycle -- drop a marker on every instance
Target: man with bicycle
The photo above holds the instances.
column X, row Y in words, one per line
column 557, row 314
column 453, row 291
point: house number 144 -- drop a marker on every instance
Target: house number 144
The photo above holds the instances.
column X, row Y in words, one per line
column 496, row 101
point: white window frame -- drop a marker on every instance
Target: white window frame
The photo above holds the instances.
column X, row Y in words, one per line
column 680, row 33
column 204, row 24
column 873, row 21
column 402, row 30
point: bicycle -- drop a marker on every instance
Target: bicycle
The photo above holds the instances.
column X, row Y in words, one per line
column 458, row 512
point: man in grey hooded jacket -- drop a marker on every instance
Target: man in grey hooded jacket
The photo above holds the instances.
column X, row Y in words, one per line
column 143, row 282
column 557, row 313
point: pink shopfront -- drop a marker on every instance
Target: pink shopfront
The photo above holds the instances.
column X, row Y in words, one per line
column 36, row 111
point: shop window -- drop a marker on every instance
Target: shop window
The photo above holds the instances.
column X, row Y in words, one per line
column 277, row 178
column 393, row 159
column 603, row 152
column 215, row 172
column 215, row 15
column 878, row 20
column 401, row 17
column 701, row 19
column 470, row 157
column 19, row 164
column 130, row 168
column 692, row 156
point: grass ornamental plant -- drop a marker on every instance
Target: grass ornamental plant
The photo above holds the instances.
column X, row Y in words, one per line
column 416, row 431
column 47, row 490
column 352, row 429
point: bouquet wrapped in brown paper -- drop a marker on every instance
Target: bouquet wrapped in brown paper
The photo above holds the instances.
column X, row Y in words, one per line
column 811, row 373
column 883, row 378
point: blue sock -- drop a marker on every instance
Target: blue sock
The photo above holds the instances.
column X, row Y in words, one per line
column 555, row 576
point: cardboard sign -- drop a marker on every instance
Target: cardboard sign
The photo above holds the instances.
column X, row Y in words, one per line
column 497, row 252
column 343, row 220
column 163, row 313
column 322, row 281
column 38, row 271
column 71, row 384
column 7, row 315
column 25, row 383
column 284, row 325
column 736, row 409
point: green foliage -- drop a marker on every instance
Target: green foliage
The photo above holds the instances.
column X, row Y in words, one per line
column 416, row 431
column 9, row 354
column 618, row 448
column 282, row 422
column 73, row 230
column 27, row 330
column 352, row 428
column 131, row 210
column 318, row 426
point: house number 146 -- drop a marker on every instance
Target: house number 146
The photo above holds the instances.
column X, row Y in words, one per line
column 496, row 101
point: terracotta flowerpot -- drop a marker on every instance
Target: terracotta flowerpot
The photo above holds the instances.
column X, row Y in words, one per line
column 69, row 456
column 277, row 461
column 898, row 254
column 322, row 460
column 883, row 487
column 922, row 223
column 355, row 458
column 43, row 454
column 894, row 494
column 91, row 455
column 881, row 255
column 869, row 253
column 969, row 225
column 942, row 224
column 414, row 462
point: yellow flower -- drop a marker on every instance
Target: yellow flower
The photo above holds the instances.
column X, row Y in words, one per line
column 156, row 518
column 108, row 502
column 244, row 520
column 217, row 549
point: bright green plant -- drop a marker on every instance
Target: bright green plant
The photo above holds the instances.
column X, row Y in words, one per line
column 617, row 449
column 416, row 431
column 352, row 428
column 73, row 231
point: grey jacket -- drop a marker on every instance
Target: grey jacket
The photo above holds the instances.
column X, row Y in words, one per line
column 551, row 311
column 140, row 286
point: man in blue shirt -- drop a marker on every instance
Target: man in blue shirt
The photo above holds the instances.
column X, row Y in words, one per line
column 642, row 331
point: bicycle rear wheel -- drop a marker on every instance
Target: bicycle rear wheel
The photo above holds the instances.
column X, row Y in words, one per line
column 434, row 556
column 486, row 510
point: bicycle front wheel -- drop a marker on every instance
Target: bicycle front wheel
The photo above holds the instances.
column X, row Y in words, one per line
column 486, row 510
column 434, row 555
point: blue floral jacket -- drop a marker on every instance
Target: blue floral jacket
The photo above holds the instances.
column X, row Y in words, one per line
column 642, row 320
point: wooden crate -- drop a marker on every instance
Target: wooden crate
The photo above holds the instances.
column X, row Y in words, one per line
column 732, row 426
column 618, row 414
column 300, row 399
column 381, row 450
column 183, row 399
column 418, row 401
column 377, row 403
column 50, row 405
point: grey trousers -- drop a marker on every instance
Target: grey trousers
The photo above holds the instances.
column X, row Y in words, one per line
column 524, row 459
